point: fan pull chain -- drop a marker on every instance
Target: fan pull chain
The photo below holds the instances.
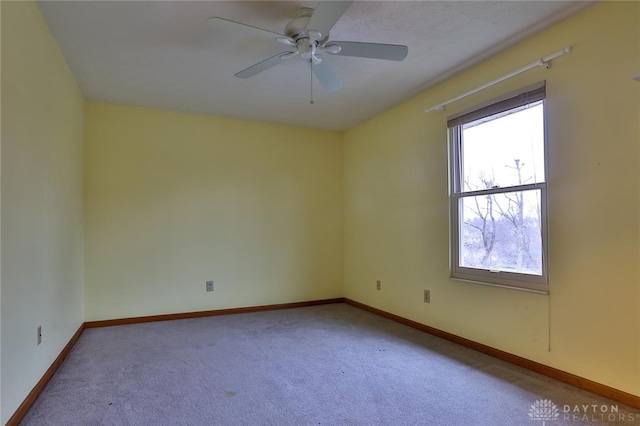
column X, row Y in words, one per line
column 311, row 86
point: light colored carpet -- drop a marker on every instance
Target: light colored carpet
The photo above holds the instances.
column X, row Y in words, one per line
column 322, row 365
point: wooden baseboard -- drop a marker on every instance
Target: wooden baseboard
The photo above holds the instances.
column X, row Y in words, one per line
column 199, row 314
column 577, row 381
column 35, row 392
column 572, row 379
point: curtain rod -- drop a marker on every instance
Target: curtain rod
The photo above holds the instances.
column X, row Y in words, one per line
column 540, row 62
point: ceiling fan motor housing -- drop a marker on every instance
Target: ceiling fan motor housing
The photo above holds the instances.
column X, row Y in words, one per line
column 297, row 27
column 306, row 48
column 306, row 40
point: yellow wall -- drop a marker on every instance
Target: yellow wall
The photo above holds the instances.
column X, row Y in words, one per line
column 396, row 206
column 176, row 199
column 42, row 201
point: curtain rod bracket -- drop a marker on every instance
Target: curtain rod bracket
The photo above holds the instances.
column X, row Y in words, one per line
column 545, row 62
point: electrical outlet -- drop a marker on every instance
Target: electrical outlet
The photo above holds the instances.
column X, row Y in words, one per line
column 39, row 334
column 378, row 285
column 427, row 296
column 209, row 285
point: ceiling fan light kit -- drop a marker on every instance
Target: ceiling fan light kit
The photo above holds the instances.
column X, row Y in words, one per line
column 308, row 34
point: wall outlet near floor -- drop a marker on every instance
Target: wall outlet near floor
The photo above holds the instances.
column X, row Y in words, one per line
column 427, row 296
column 378, row 285
column 209, row 285
column 39, row 334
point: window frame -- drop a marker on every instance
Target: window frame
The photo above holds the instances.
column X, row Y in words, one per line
column 513, row 280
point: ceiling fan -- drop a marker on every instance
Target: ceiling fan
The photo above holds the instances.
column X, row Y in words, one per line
column 307, row 36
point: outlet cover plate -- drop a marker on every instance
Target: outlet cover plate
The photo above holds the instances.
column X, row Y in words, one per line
column 209, row 285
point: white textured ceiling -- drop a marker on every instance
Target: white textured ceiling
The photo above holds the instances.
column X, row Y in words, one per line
column 163, row 54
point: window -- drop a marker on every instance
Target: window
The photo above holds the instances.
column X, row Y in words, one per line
column 499, row 192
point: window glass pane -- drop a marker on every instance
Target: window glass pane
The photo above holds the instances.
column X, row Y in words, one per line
column 502, row 232
column 504, row 150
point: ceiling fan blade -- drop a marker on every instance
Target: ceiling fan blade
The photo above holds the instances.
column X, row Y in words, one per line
column 248, row 29
column 265, row 65
column 389, row 52
column 326, row 76
column 325, row 16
